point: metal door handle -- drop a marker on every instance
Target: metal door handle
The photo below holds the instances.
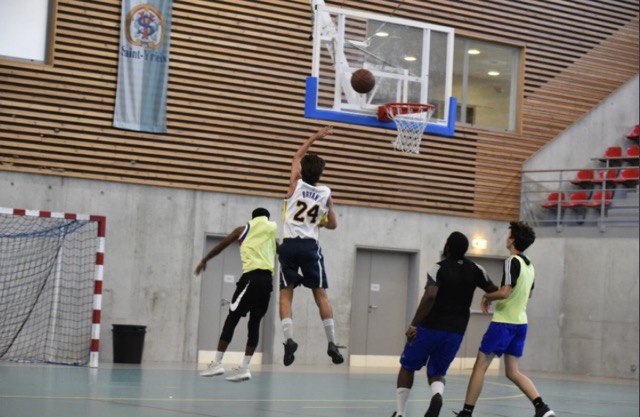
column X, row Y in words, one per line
column 372, row 307
column 224, row 302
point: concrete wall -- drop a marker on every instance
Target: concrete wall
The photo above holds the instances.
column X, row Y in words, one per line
column 584, row 315
column 584, row 312
column 155, row 237
column 606, row 125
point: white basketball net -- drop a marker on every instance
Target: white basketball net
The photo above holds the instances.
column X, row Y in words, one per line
column 410, row 123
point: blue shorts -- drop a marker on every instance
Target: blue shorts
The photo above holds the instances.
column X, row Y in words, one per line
column 302, row 255
column 434, row 348
column 504, row 338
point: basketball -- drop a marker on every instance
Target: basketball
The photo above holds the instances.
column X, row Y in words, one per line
column 363, row 81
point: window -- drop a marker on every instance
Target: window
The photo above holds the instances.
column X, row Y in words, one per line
column 25, row 29
column 486, row 83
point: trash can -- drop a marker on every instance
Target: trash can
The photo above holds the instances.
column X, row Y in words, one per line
column 128, row 342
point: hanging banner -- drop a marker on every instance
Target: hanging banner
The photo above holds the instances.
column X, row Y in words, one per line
column 143, row 67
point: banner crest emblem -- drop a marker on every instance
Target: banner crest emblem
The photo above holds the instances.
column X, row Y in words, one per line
column 145, row 27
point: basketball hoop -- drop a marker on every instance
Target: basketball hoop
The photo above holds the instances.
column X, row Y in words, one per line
column 411, row 120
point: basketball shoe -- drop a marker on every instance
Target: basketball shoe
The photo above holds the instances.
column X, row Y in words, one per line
column 434, row 406
column 242, row 374
column 213, row 369
column 333, row 351
column 544, row 411
column 290, row 348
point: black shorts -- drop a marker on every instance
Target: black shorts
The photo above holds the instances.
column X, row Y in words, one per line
column 301, row 255
column 253, row 292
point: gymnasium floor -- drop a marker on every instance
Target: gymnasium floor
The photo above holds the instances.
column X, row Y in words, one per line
column 168, row 390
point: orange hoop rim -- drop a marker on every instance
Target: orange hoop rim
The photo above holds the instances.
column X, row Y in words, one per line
column 385, row 110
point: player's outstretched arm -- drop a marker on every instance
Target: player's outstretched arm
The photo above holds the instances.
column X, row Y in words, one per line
column 301, row 152
column 501, row 294
column 232, row 237
column 489, row 287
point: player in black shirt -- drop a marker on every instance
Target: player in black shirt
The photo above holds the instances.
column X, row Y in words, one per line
column 437, row 328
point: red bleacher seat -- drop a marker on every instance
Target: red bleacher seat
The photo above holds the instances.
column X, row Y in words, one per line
column 584, row 178
column 635, row 133
column 606, row 174
column 552, row 200
column 576, row 199
column 633, row 153
column 628, row 176
column 613, row 152
column 596, row 199
column 610, row 155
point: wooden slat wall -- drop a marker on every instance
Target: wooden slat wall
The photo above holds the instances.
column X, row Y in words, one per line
column 236, row 98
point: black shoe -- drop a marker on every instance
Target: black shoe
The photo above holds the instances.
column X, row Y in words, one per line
column 544, row 411
column 396, row 414
column 463, row 413
column 289, row 349
column 434, row 406
column 333, row 351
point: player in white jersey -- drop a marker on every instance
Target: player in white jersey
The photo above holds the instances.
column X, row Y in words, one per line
column 304, row 209
column 308, row 206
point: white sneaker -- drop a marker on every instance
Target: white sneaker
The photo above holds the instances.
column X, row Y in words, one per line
column 242, row 374
column 213, row 369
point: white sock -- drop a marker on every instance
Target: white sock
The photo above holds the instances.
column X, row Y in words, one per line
column 330, row 330
column 437, row 388
column 246, row 361
column 287, row 328
column 402, row 395
column 218, row 357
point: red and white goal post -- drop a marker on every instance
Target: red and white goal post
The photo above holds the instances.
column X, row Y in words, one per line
column 51, row 272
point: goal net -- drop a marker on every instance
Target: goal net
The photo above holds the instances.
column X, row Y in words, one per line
column 50, row 286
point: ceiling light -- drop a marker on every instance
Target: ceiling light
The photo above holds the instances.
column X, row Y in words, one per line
column 410, row 58
column 493, row 73
column 382, row 34
column 473, row 52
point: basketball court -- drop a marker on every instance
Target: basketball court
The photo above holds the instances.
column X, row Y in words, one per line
column 275, row 391
column 411, row 92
